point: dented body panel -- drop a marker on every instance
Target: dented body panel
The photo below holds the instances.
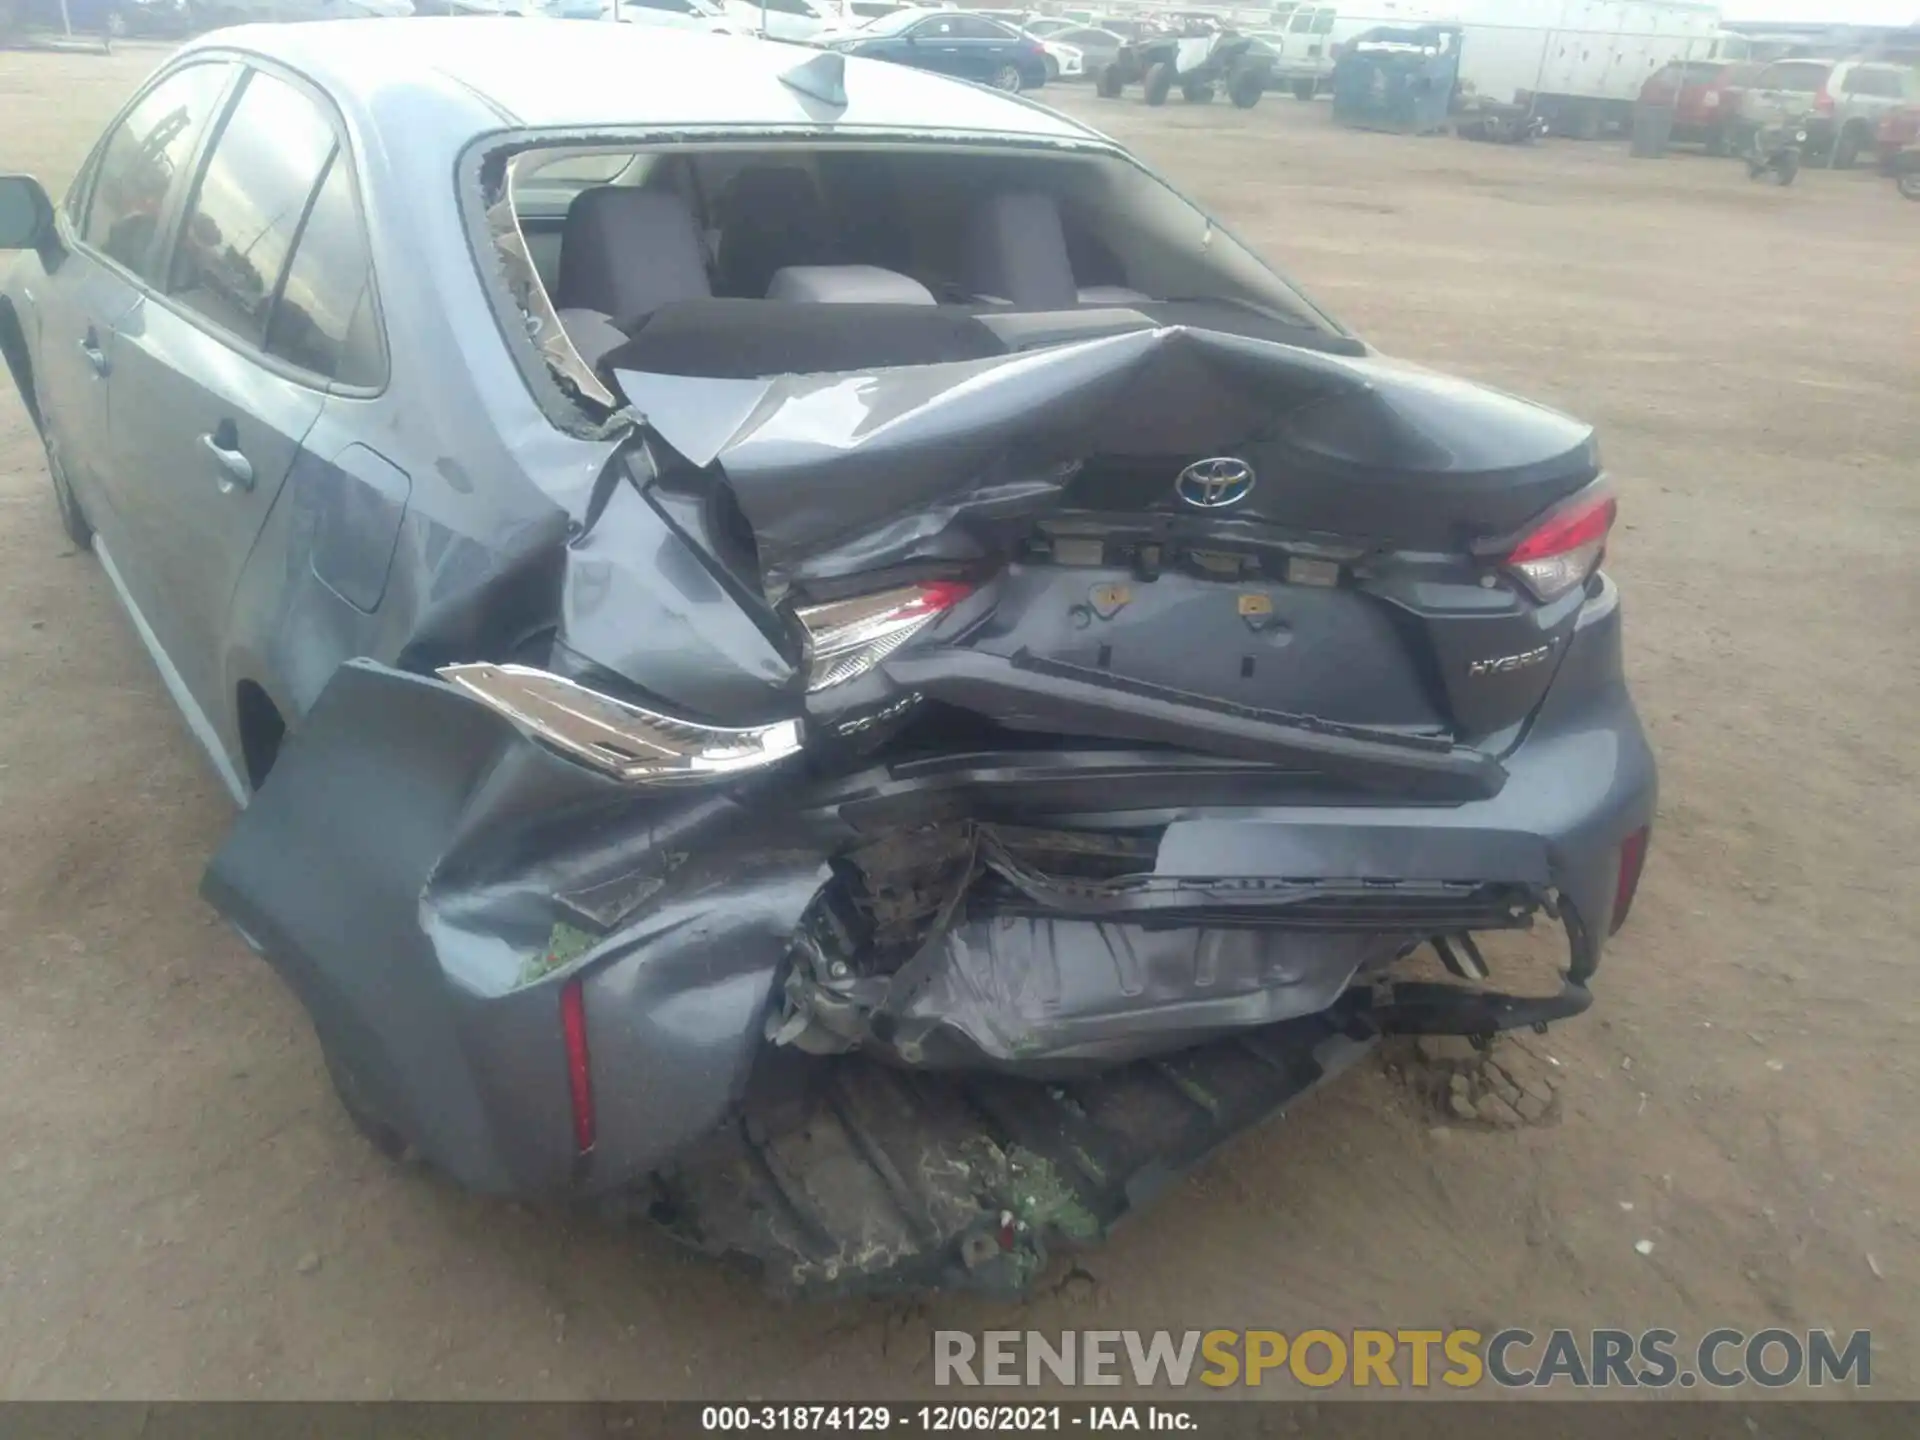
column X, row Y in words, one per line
column 889, row 814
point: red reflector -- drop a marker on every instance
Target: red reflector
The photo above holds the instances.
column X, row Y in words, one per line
column 1633, row 859
column 573, row 1024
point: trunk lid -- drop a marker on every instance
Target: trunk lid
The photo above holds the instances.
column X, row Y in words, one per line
column 1179, row 518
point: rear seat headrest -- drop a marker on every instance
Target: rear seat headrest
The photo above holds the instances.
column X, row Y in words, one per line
column 1015, row 249
column 626, row 252
column 847, row 285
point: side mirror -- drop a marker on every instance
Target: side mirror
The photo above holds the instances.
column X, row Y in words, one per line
column 26, row 214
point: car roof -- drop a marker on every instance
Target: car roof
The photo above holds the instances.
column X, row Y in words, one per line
column 580, row 73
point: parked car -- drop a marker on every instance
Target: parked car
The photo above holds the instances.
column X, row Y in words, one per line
column 1705, row 98
column 1860, row 95
column 1097, row 46
column 1063, row 61
column 1787, row 91
column 212, row 14
column 702, row 17
column 787, row 631
column 947, row 42
column 1899, row 131
column 790, row 20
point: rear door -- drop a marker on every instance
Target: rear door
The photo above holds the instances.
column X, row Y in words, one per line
column 933, row 44
column 219, row 380
column 986, row 47
column 115, row 217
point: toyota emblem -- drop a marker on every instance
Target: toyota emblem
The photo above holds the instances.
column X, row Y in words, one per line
column 1215, row 484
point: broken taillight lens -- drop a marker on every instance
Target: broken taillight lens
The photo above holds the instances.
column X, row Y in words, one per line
column 849, row 637
column 1565, row 548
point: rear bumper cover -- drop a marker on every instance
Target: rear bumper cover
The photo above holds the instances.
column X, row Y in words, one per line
column 414, row 858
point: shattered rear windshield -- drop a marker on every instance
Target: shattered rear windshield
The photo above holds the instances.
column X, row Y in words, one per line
column 943, row 225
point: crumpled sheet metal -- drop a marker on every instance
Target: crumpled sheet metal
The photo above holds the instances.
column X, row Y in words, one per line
column 844, row 472
column 1026, row 990
column 837, row 473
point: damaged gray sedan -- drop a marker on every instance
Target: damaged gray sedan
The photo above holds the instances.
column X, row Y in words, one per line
column 805, row 644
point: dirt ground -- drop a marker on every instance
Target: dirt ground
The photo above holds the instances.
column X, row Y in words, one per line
column 185, row 1212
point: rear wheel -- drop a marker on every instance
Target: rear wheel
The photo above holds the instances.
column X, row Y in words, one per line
column 1304, row 89
column 1788, row 169
column 1197, row 92
column 1158, row 82
column 1109, row 82
column 1245, row 88
column 1007, row 78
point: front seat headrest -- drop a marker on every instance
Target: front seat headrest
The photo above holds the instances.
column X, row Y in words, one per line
column 626, row 252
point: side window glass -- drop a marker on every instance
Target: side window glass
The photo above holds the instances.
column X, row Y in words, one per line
column 142, row 158
column 248, row 206
column 326, row 321
column 1323, row 22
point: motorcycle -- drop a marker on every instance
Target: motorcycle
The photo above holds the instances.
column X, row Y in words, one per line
column 1776, row 150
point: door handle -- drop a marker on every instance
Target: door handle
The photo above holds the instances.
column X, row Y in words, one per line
column 96, row 357
column 238, row 470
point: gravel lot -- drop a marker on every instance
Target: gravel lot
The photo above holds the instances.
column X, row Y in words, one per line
column 184, row 1211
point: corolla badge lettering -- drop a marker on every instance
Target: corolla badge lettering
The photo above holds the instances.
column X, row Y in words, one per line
column 1215, row 484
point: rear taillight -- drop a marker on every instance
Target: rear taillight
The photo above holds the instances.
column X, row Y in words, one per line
column 573, row 1029
column 1565, row 548
column 1823, row 102
column 1710, row 100
column 1633, row 859
column 849, row 637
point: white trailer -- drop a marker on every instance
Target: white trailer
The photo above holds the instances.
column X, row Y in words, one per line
column 1579, row 63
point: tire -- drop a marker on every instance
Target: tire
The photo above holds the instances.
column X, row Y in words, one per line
column 73, row 519
column 1788, row 170
column 1910, row 184
column 1245, row 89
column 1846, row 150
column 1108, row 83
column 1158, row 82
column 1197, row 94
column 1007, row 78
column 1304, row 89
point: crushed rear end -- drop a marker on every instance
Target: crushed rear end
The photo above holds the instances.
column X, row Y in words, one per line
column 1087, row 738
